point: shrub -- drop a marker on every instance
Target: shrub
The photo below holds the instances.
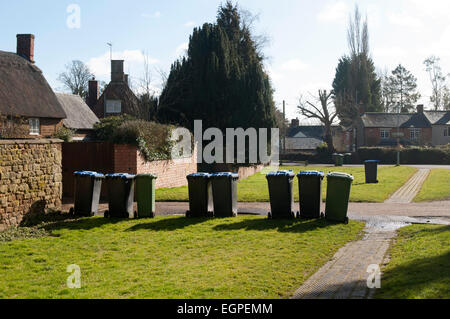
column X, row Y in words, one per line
column 410, row 155
column 64, row 134
column 13, row 127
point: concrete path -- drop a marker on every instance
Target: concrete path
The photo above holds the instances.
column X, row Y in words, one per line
column 407, row 192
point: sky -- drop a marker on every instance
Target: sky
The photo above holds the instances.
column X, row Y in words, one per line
column 307, row 37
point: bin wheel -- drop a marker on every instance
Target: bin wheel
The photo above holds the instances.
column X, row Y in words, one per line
column 293, row 215
column 136, row 215
column 71, row 211
column 188, row 214
column 322, row 215
column 92, row 214
column 346, row 221
column 269, row 215
column 298, row 215
column 106, row 214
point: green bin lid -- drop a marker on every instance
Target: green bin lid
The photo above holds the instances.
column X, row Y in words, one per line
column 151, row 176
column 340, row 175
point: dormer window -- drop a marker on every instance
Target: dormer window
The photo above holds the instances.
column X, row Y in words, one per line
column 113, row 106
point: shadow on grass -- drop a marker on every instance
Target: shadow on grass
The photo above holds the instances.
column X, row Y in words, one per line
column 168, row 224
column 83, row 224
column 283, row 226
column 410, row 280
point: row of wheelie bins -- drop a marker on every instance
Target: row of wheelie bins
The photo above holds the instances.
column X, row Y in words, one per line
column 120, row 192
column 310, row 191
column 212, row 195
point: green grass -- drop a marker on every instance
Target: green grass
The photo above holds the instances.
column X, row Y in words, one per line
column 174, row 257
column 436, row 187
column 255, row 188
column 420, row 265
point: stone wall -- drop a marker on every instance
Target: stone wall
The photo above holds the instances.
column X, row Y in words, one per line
column 30, row 178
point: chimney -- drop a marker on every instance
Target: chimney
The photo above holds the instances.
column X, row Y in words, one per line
column 295, row 123
column 93, row 93
column 420, row 108
column 117, row 74
column 126, row 79
column 25, row 46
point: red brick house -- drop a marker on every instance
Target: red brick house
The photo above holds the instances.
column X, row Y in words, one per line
column 117, row 98
column 24, row 92
column 384, row 129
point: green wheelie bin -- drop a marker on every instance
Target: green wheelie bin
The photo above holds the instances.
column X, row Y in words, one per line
column 88, row 186
column 310, row 191
column 338, row 195
column 145, row 195
column 120, row 189
column 371, row 168
column 338, row 159
column 281, row 194
column 224, row 187
column 200, row 195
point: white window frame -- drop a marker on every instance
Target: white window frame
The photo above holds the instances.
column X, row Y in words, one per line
column 447, row 132
column 415, row 133
column 35, row 126
column 385, row 134
column 113, row 106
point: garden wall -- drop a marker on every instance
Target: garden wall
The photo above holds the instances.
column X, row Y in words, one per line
column 30, row 179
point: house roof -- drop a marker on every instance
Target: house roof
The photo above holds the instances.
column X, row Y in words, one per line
column 119, row 91
column 386, row 120
column 307, row 143
column 79, row 114
column 438, row 117
column 306, row 131
column 24, row 91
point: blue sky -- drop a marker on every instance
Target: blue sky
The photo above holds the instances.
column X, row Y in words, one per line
column 307, row 37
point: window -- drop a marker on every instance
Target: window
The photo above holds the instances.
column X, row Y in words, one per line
column 415, row 133
column 35, row 127
column 447, row 131
column 113, row 106
column 384, row 134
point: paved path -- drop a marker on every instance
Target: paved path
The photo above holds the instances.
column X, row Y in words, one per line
column 407, row 192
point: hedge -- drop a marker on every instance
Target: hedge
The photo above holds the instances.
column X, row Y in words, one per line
column 410, row 155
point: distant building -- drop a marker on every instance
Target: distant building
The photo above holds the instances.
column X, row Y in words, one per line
column 25, row 93
column 420, row 128
column 117, row 98
column 80, row 117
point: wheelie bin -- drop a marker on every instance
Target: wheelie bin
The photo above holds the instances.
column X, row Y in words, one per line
column 338, row 195
column 145, row 195
column 338, row 159
column 88, row 186
column 120, row 189
column 310, row 191
column 200, row 195
column 281, row 194
column 224, row 187
column 371, row 168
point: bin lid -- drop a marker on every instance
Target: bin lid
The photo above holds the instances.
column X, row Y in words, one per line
column 199, row 175
column 281, row 173
column 340, row 175
column 372, row 161
column 122, row 176
column 225, row 174
column 88, row 173
column 311, row 173
column 150, row 176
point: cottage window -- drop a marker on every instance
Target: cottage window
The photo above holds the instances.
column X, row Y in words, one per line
column 113, row 106
column 35, row 127
column 415, row 134
column 384, row 134
column 447, row 131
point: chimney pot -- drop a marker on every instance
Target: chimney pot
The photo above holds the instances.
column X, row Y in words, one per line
column 420, row 108
column 25, row 46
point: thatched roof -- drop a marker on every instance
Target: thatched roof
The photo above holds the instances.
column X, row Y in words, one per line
column 24, row 90
column 79, row 114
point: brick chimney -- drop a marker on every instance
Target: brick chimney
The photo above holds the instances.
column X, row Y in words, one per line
column 93, row 93
column 295, row 123
column 420, row 108
column 117, row 74
column 25, row 46
column 126, row 79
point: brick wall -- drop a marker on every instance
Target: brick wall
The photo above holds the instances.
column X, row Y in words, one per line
column 30, row 178
column 373, row 136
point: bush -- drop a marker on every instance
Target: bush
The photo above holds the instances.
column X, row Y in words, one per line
column 13, row 127
column 64, row 134
column 152, row 139
column 410, row 155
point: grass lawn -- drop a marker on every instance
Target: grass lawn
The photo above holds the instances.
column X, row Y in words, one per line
column 174, row 257
column 255, row 188
column 436, row 187
column 420, row 265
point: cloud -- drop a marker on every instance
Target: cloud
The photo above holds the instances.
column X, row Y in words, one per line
column 189, row 24
column 334, row 12
column 134, row 63
column 182, row 49
column 404, row 20
column 293, row 65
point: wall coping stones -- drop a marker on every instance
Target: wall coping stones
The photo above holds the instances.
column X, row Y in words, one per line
column 31, row 141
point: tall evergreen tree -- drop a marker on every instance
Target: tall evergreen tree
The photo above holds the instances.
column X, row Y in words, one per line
column 221, row 80
column 356, row 87
column 401, row 86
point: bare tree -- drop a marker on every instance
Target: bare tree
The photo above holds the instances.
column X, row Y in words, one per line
column 438, row 82
column 358, row 35
column 325, row 113
column 76, row 78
